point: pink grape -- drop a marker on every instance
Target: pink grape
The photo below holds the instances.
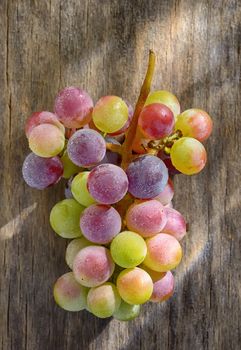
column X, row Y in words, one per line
column 147, row 177
column 100, row 223
column 73, row 107
column 175, row 225
column 93, row 266
column 86, row 147
column 165, row 197
column 69, row 294
column 156, row 121
column 128, row 122
column 164, row 288
column 46, row 140
column 107, row 183
column 134, row 285
column 155, row 275
column 44, row 117
column 146, row 218
column 164, row 252
column 195, row 123
column 41, row 172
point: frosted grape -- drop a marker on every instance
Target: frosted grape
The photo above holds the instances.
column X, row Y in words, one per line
column 93, row 266
column 73, row 106
column 165, row 197
column 163, row 288
column 41, row 172
column 146, row 218
column 86, row 147
column 107, row 183
column 147, row 177
column 100, row 223
column 64, row 218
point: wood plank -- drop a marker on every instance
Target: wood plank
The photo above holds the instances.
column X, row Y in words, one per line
column 103, row 47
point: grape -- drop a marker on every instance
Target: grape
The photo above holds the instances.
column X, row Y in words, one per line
column 100, row 223
column 93, row 266
column 166, row 98
column 104, row 301
column 69, row 167
column 128, row 122
column 111, row 157
column 67, row 190
column 147, row 177
column 188, row 155
column 64, row 218
column 80, row 191
column 73, row 107
column 107, row 183
column 86, row 147
column 135, row 286
column 165, row 197
column 164, row 288
column 176, row 225
column 195, row 123
column 69, row 294
column 44, row 117
column 110, row 114
column 164, row 252
column 155, row 275
column 73, row 248
column 41, row 172
column 128, row 249
column 46, row 140
column 156, row 121
column 146, row 218
column 127, row 312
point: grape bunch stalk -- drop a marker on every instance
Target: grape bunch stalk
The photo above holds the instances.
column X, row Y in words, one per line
column 118, row 165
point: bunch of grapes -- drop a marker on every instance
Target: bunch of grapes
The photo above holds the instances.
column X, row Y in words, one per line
column 117, row 212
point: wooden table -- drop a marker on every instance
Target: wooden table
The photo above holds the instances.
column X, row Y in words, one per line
column 103, row 46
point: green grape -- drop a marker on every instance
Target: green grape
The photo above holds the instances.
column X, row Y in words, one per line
column 80, row 191
column 103, row 301
column 128, row 249
column 73, row 248
column 69, row 167
column 188, row 155
column 65, row 218
column 127, row 312
column 166, row 98
column 110, row 114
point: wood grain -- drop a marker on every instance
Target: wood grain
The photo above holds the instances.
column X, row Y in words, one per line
column 103, row 47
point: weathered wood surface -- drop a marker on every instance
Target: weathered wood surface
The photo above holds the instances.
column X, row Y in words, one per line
column 103, row 47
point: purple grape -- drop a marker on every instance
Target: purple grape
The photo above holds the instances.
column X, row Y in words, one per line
column 67, row 191
column 73, row 107
column 107, row 183
column 111, row 157
column 100, row 223
column 41, row 172
column 147, row 177
column 86, row 148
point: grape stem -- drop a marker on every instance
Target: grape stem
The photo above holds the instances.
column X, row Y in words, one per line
column 126, row 149
column 166, row 142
